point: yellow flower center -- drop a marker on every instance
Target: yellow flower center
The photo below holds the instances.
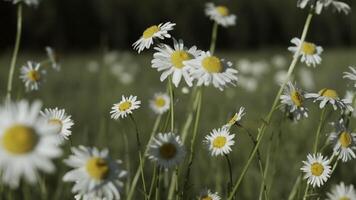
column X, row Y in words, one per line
column 149, row 32
column 125, row 106
column 222, row 10
column 19, row 139
column 296, row 98
column 97, row 168
column 168, row 151
column 33, row 75
column 345, row 139
column 308, row 48
column 344, row 198
column 160, row 102
column 206, row 198
column 317, row 169
column 212, row 64
column 178, row 57
column 328, row 93
column 219, row 142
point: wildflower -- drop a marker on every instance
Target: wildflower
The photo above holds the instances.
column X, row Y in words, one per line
column 236, row 118
column 171, row 61
column 125, row 107
column 53, row 58
column 320, row 4
column 61, row 121
column 330, row 96
column 220, row 15
column 167, row 150
column 28, row 143
column 351, row 75
column 310, row 52
column 209, row 69
column 95, row 174
column 153, row 32
column 31, row 75
column 160, row 103
column 219, row 141
column 317, row 169
column 208, row 195
column 344, row 141
column 350, row 96
column 342, row 192
column 293, row 99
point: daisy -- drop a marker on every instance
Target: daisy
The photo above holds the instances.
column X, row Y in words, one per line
column 53, row 58
column 167, row 150
column 209, row 69
column 61, row 121
column 95, row 174
column 208, row 195
column 317, row 169
column 31, row 75
column 171, row 61
column 320, row 4
column 293, row 99
column 28, row 143
column 146, row 40
column 344, row 141
column 236, row 118
column 124, row 107
column 342, row 192
column 310, row 52
column 160, row 103
column 220, row 15
column 350, row 96
column 219, row 141
column 351, row 75
column 330, row 96
column 27, row 2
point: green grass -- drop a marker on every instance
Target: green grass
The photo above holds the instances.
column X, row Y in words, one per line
column 88, row 97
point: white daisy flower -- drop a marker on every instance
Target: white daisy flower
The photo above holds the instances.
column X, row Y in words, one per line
column 208, row 195
column 31, row 75
column 209, row 69
column 350, row 96
column 219, row 141
column 171, row 61
column 330, row 96
column 320, row 4
column 344, row 141
column 28, row 143
column 124, row 107
column 167, row 150
column 236, row 118
column 160, row 103
column 293, row 99
column 342, row 192
column 351, row 75
column 309, row 52
column 27, row 2
column 317, row 169
column 60, row 120
column 53, row 58
column 220, row 14
column 153, row 32
column 95, row 174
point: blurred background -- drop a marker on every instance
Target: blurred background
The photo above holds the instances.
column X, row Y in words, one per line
column 87, row 24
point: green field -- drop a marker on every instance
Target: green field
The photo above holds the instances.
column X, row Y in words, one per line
column 88, row 96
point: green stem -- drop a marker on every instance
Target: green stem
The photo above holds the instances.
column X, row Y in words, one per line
column 230, row 171
column 153, row 181
column 171, row 104
column 214, row 35
column 158, row 184
column 264, row 125
column 293, row 193
column 137, row 174
column 191, row 111
column 15, row 52
column 321, row 122
column 306, row 192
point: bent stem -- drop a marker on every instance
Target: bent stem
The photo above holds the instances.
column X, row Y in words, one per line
column 214, row 35
column 264, row 125
column 15, row 52
column 138, row 171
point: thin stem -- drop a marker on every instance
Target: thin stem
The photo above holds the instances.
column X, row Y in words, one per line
column 306, row 192
column 321, row 122
column 153, row 182
column 264, row 125
column 15, row 52
column 140, row 156
column 171, row 104
column 293, row 193
column 158, row 184
column 137, row 174
column 230, row 171
column 214, row 35
column 189, row 118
